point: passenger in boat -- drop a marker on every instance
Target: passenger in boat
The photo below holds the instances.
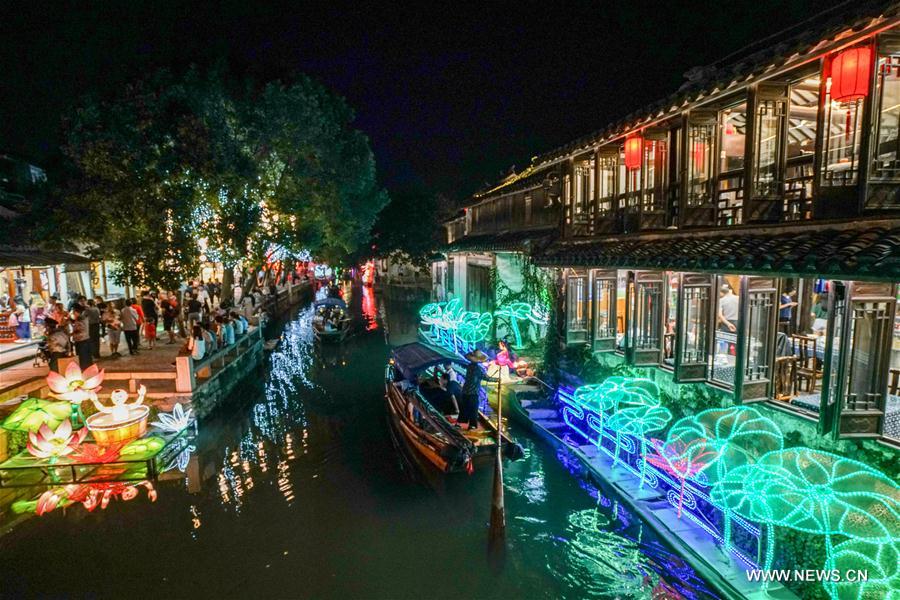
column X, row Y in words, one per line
column 468, row 409
column 453, row 391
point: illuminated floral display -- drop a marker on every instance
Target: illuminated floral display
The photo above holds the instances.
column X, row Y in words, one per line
column 448, row 325
column 737, row 435
column 638, row 422
column 681, row 460
column 521, row 311
column 49, row 443
column 75, row 386
column 175, row 421
column 90, row 495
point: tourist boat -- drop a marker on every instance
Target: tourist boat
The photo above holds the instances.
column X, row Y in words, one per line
column 330, row 319
column 417, row 427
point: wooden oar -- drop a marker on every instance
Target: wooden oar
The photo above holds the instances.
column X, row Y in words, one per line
column 497, row 531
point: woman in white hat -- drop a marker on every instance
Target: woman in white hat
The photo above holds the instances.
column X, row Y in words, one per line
column 468, row 408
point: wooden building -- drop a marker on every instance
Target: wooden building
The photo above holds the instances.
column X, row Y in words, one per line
column 743, row 232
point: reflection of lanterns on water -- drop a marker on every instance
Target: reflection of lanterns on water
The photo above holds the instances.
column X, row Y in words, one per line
column 368, row 273
column 121, row 422
column 369, row 310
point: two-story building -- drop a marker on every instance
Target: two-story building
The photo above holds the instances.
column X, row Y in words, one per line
column 742, row 233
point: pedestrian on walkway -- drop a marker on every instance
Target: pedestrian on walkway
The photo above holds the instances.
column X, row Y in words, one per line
column 151, row 317
column 141, row 320
column 113, row 324
column 194, row 308
column 101, row 306
column 94, row 319
column 57, row 342
column 130, row 323
column 169, row 308
column 81, row 337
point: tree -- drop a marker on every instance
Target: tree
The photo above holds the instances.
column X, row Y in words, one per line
column 411, row 225
column 173, row 162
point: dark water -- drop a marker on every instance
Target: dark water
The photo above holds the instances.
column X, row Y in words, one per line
column 299, row 493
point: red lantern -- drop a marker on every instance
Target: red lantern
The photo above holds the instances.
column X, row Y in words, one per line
column 634, row 147
column 850, row 74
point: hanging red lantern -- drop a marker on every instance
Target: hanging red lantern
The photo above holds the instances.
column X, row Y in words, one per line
column 634, row 147
column 850, row 74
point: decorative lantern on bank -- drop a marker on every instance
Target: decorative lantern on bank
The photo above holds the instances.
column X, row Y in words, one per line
column 634, row 148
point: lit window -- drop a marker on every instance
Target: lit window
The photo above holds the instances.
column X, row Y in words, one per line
column 576, row 309
column 885, row 172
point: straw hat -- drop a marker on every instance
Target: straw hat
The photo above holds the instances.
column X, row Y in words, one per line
column 477, row 356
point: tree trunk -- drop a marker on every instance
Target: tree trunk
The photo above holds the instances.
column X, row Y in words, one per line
column 227, row 293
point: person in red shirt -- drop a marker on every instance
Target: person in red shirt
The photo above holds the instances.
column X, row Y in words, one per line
column 141, row 318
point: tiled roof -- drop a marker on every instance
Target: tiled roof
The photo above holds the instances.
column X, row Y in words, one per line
column 522, row 240
column 15, row 256
column 871, row 253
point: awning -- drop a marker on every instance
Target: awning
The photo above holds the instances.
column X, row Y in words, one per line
column 26, row 257
column 871, row 253
column 521, row 240
column 416, row 357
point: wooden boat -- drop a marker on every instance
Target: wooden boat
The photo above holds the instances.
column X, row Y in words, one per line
column 330, row 319
column 421, row 430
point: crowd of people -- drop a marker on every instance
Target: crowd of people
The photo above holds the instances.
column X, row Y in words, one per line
column 201, row 322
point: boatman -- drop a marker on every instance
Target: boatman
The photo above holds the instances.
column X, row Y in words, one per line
column 468, row 410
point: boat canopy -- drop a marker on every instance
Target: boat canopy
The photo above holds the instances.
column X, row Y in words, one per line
column 413, row 358
column 330, row 302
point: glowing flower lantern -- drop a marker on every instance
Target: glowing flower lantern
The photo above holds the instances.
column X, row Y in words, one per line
column 121, row 422
column 175, row 421
column 47, row 443
column 850, row 74
column 34, row 412
column 634, row 148
column 76, row 386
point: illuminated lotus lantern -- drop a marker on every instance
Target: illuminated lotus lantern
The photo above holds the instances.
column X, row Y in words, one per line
column 122, row 422
column 76, row 386
column 47, row 443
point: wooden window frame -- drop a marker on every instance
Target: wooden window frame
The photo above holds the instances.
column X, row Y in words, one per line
column 644, row 282
column 609, row 279
column 694, row 370
column 750, row 387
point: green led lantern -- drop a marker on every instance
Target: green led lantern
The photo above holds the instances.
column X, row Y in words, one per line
column 521, row 311
column 639, row 421
column 474, row 327
column 816, row 492
column 880, row 562
column 613, row 394
column 736, row 435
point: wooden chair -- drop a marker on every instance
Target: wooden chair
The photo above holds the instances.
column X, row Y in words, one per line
column 785, row 378
column 807, row 369
column 894, row 382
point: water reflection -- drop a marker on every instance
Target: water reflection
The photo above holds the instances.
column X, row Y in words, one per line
column 303, row 485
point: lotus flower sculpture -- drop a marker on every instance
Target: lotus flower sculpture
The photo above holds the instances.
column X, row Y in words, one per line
column 34, row 412
column 638, row 422
column 175, row 421
column 738, row 435
column 76, row 387
column 681, row 460
column 431, row 315
column 53, row 444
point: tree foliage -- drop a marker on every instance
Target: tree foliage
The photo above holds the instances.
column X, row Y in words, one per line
column 411, row 225
column 175, row 160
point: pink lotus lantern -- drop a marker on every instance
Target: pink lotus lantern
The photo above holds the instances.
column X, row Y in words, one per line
column 75, row 386
column 47, row 443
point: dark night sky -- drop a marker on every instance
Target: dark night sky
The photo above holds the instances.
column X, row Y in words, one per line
column 450, row 95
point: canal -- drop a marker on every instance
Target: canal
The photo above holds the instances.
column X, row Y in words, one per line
column 298, row 492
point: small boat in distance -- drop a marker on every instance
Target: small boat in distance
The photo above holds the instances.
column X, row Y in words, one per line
column 423, row 431
column 330, row 319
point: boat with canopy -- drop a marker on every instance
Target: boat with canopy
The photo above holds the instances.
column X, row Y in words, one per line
column 423, row 430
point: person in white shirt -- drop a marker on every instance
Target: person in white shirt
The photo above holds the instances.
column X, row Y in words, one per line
column 196, row 344
column 728, row 309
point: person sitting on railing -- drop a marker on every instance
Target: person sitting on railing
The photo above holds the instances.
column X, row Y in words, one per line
column 209, row 337
column 227, row 330
column 240, row 323
column 196, row 343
